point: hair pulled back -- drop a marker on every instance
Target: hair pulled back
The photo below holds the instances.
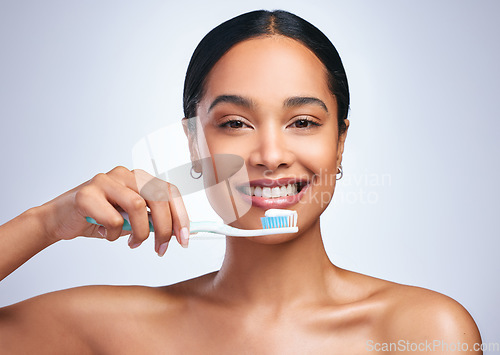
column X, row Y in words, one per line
column 264, row 23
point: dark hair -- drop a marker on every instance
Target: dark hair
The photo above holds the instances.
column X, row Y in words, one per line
column 264, row 23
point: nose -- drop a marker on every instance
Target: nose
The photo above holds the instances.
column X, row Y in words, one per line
column 271, row 150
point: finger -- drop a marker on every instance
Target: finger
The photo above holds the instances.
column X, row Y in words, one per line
column 148, row 186
column 162, row 222
column 154, row 190
column 124, row 176
column 156, row 193
column 132, row 203
column 180, row 218
column 93, row 203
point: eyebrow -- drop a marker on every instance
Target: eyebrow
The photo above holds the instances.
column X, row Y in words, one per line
column 294, row 101
column 304, row 100
column 233, row 99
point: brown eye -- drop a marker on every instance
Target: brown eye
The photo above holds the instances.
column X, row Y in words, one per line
column 233, row 124
column 304, row 123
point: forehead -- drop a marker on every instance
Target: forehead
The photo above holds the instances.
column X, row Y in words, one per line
column 268, row 69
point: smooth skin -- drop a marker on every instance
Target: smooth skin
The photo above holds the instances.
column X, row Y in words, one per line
column 274, row 294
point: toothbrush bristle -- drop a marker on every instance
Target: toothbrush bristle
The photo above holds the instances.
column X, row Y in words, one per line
column 279, row 221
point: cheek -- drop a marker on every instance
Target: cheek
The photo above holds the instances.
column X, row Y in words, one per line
column 223, row 144
column 320, row 158
column 318, row 154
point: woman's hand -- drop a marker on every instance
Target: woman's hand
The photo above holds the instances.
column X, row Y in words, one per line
column 105, row 194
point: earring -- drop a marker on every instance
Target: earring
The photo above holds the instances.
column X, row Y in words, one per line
column 192, row 175
column 340, row 171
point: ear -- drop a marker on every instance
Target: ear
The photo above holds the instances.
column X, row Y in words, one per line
column 190, row 132
column 341, row 141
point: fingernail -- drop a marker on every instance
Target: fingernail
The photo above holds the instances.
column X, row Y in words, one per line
column 184, row 237
column 102, row 231
column 132, row 245
column 162, row 249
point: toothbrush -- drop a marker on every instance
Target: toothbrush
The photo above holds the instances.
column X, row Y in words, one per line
column 276, row 221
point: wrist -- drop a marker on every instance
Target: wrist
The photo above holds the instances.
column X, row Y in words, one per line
column 40, row 218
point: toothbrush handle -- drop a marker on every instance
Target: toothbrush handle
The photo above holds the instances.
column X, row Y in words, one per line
column 197, row 227
column 194, row 227
column 126, row 223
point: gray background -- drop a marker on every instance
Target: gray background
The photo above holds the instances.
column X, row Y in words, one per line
column 82, row 81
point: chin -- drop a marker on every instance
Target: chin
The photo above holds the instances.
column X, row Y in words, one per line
column 274, row 239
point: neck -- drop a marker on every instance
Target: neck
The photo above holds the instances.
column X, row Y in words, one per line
column 295, row 271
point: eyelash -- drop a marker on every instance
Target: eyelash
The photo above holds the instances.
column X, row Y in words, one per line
column 227, row 123
column 309, row 121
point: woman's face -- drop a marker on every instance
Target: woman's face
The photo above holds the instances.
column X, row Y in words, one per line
column 267, row 100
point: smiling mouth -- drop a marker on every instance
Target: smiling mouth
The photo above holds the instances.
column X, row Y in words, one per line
column 280, row 191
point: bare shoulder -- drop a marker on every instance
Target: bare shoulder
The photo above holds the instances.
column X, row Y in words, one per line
column 126, row 307
column 97, row 301
column 430, row 311
column 65, row 321
column 86, row 319
column 103, row 300
column 416, row 315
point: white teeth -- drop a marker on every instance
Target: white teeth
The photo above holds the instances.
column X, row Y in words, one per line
column 274, row 192
column 266, row 192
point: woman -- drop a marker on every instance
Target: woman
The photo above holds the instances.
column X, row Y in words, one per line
column 269, row 87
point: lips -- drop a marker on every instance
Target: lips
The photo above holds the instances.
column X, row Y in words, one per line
column 279, row 193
